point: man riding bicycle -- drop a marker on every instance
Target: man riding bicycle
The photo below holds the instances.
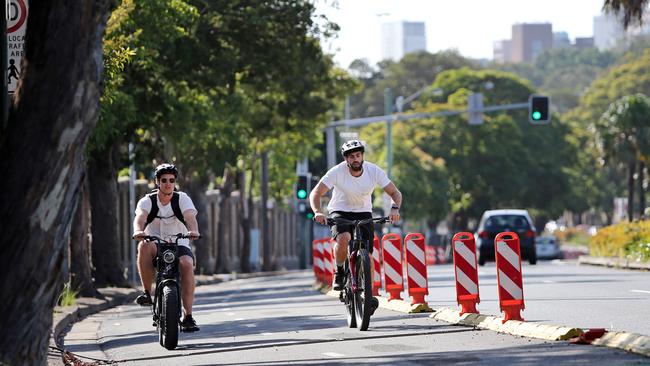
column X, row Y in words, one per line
column 353, row 182
column 165, row 213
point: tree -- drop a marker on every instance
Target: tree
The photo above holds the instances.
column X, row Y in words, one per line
column 53, row 110
column 623, row 133
column 632, row 10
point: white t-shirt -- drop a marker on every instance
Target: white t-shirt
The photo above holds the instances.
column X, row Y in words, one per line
column 353, row 194
column 168, row 225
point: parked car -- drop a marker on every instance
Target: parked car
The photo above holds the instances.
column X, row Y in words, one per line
column 494, row 222
column 547, row 247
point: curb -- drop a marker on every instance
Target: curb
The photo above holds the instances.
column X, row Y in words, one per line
column 395, row 305
column 631, row 342
column 613, row 262
column 514, row 327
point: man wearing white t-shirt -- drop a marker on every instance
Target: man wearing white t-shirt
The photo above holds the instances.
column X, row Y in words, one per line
column 353, row 182
column 164, row 214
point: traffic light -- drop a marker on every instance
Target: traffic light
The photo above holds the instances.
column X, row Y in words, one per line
column 309, row 212
column 302, row 187
column 538, row 109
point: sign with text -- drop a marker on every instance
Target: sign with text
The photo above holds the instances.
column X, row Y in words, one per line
column 16, row 27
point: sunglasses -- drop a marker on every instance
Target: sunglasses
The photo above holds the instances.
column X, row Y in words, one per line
column 165, row 180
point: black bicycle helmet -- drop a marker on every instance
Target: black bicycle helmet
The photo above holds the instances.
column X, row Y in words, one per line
column 166, row 169
column 352, row 146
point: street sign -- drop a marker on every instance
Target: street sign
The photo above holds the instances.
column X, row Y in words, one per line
column 475, row 109
column 17, row 11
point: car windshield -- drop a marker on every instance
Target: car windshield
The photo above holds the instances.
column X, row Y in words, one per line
column 513, row 221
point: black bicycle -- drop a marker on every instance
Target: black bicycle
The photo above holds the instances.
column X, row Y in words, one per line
column 166, row 307
column 357, row 292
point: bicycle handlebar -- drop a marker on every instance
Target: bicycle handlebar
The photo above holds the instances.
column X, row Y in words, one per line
column 177, row 236
column 341, row 221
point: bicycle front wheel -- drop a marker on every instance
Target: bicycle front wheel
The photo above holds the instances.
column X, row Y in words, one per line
column 168, row 321
column 363, row 296
column 348, row 297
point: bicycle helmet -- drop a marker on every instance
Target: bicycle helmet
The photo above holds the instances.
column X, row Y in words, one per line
column 352, row 146
column 166, row 169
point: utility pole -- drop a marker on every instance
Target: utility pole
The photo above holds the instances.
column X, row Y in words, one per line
column 388, row 111
column 3, row 44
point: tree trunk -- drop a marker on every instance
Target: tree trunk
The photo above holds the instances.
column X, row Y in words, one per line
column 196, row 190
column 54, row 109
column 80, row 261
column 224, row 198
column 641, row 190
column 630, row 191
column 102, row 184
column 266, row 235
column 245, row 222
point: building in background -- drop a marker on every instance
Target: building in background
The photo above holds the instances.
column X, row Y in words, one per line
column 502, row 51
column 401, row 38
column 530, row 39
column 584, row 42
column 561, row 40
column 608, row 31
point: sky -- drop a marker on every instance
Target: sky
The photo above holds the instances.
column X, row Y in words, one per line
column 470, row 26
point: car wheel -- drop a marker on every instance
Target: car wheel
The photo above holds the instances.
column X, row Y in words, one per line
column 533, row 258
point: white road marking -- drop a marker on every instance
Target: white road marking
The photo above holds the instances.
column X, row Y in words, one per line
column 333, row 354
column 267, row 334
column 251, row 325
column 239, row 319
column 641, row 291
column 549, row 281
column 230, row 314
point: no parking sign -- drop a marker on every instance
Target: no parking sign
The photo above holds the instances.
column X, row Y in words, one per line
column 16, row 26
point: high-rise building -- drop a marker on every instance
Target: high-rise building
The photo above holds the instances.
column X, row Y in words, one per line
column 584, row 42
column 502, row 51
column 561, row 40
column 530, row 39
column 400, row 38
column 608, row 31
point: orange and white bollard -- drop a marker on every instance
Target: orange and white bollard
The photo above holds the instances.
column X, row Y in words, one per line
column 376, row 272
column 466, row 269
column 328, row 263
column 509, row 277
column 416, row 267
column 393, row 278
column 319, row 269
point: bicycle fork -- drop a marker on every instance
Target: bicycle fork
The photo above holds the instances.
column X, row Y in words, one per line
column 353, row 270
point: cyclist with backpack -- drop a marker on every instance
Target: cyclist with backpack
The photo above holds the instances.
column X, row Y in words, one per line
column 166, row 212
column 353, row 182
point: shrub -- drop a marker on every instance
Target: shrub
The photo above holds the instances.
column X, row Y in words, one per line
column 631, row 240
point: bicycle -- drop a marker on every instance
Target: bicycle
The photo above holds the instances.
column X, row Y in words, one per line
column 357, row 292
column 166, row 309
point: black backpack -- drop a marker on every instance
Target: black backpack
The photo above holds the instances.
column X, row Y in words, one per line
column 176, row 207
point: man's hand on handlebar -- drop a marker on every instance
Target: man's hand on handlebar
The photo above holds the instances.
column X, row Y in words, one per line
column 320, row 217
column 139, row 235
column 193, row 235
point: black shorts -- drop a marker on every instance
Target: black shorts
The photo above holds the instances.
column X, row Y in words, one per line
column 367, row 230
column 182, row 250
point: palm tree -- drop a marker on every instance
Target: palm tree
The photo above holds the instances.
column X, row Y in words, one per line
column 623, row 135
column 631, row 9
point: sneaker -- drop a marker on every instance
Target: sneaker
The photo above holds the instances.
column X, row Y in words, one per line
column 189, row 324
column 144, row 299
column 339, row 279
column 375, row 305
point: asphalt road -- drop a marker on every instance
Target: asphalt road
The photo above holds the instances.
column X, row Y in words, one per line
column 561, row 293
column 281, row 320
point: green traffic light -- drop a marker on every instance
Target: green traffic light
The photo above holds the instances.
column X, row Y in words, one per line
column 310, row 215
column 302, row 194
column 537, row 115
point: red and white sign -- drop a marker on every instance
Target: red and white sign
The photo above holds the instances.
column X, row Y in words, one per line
column 416, row 267
column 319, row 265
column 328, row 263
column 16, row 26
column 376, row 272
column 393, row 278
column 466, row 269
column 509, row 277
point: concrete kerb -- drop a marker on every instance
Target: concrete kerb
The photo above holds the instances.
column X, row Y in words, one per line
column 613, row 262
column 395, row 305
column 514, row 327
column 630, row 342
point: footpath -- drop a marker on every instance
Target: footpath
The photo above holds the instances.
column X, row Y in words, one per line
column 65, row 316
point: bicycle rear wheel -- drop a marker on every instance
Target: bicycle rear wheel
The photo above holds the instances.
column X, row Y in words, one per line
column 348, row 297
column 363, row 297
